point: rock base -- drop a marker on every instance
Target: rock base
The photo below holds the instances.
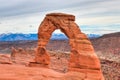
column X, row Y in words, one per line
column 35, row 64
column 89, row 74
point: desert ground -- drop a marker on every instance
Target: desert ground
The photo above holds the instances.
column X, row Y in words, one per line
column 17, row 68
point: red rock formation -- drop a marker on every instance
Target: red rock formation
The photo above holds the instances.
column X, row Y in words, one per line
column 5, row 59
column 21, row 56
column 82, row 56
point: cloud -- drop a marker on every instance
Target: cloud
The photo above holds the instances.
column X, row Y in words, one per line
column 101, row 28
column 19, row 15
column 19, row 7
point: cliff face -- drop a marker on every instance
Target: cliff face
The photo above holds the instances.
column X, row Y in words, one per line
column 108, row 43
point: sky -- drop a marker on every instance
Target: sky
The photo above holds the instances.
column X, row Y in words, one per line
column 92, row 16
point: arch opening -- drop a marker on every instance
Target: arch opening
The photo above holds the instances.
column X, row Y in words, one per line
column 58, row 42
column 59, row 49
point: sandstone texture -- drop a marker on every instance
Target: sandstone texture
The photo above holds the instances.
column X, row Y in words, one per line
column 18, row 72
column 82, row 57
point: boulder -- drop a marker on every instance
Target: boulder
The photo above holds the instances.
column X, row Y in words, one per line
column 21, row 56
column 5, row 59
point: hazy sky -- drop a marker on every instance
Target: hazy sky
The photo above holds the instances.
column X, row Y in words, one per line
column 93, row 16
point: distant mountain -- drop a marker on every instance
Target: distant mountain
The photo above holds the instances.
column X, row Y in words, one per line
column 20, row 36
column 108, row 43
column 117, row 34
column 63, row 37
column 92, row 36
column 17, row 36
column 58, row 37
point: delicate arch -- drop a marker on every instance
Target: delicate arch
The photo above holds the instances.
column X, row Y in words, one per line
column 82, row 53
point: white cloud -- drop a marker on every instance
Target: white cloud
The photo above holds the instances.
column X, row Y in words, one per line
column 26, row 15
column 99, row 20
column 101, row 28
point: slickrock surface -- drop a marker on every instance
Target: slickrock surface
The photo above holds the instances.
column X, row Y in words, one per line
column 18, row 72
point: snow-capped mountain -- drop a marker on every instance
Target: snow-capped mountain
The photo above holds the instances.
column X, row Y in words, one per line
column 17, row 36
column 20, row 36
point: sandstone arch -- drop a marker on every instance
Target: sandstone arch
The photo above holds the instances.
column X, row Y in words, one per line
column 82, row 55
column 80, row 45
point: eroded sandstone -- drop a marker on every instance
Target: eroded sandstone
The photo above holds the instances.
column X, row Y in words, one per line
column 82, row 57
column 5, row 59
column 21, row 56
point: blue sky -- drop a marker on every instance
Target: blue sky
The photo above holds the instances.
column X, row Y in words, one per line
column 93, row 16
